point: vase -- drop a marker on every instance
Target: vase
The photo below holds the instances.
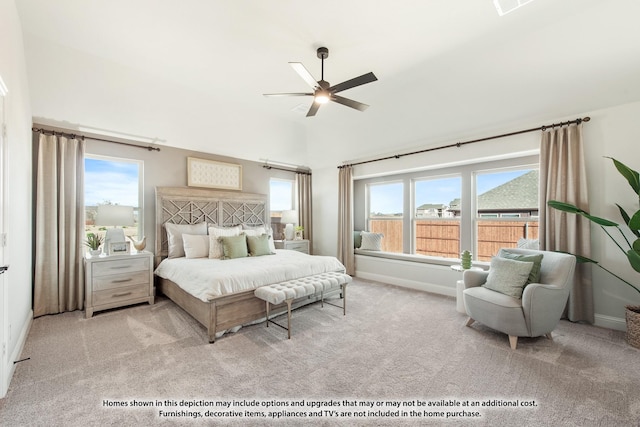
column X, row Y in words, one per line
column 633, row 325
column 95, row 252
column 465, row 260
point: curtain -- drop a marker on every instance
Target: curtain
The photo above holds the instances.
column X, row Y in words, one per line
column 303, row 184
column 563, row 178
column 59, row 230
column 345, row 219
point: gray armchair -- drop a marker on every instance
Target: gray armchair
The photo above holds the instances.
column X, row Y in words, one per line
column 537, row 313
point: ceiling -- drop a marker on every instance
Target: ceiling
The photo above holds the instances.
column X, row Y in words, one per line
column 192, row 73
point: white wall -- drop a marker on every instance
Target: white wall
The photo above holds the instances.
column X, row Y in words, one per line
column 18, row 196
column 611, row 132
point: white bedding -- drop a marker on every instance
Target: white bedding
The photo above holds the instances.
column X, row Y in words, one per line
column 206, row 278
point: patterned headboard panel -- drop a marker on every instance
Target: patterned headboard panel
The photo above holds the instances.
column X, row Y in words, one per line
column 186, row 205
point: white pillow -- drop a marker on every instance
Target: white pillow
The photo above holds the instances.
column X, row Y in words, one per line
column 174, row 236
column 196, row 245
column 215, row 247
column 255, row 231
column 371, row 241
column 528, row 243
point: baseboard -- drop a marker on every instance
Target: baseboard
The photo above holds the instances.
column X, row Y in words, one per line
column 10, row 368
column 420, row 286
column 610, row 322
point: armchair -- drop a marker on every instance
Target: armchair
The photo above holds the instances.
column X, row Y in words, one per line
column 537, row 313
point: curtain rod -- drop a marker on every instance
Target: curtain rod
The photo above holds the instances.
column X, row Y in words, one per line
column 74, row 135
column 460, row 144
column 267, row 166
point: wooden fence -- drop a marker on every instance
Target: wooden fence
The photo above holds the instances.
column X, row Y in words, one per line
column 442, row 237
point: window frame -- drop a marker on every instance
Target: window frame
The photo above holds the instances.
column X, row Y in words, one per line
column 369, row 218
column 468, row 235
column 140, row 164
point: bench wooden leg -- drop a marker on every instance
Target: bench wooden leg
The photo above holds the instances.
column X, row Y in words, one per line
column 344, row 299
column 289, row 318
column 267, row 313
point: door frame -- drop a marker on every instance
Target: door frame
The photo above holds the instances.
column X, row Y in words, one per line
column 4, row 309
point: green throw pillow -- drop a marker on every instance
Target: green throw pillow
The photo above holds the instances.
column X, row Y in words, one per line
column 357, row 239
column 234, row 246
column 534, row 276
column 508, row 276
column 258, row 245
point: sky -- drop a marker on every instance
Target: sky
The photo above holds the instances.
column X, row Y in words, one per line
column 281, row 195
column 110, row 181
column 387, row 198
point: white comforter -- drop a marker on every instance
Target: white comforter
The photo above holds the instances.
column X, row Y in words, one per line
column 206, row 278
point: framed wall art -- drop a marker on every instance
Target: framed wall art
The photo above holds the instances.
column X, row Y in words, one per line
column 212, row 174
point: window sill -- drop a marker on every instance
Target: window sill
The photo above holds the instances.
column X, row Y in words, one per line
column 423, row 259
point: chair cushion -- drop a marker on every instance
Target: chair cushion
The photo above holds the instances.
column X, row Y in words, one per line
column 508, row 276
column 534, row 275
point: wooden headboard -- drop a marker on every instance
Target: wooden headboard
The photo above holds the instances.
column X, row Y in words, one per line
column 188, row 205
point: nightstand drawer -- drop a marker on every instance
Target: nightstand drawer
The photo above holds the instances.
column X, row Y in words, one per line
column 297, row 246
column 120, row 266
column 120, row 294
column 120, row 280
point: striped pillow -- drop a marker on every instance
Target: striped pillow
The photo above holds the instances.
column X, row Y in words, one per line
column 371, row 241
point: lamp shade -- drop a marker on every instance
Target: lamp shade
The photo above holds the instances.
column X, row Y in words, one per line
column 289, row 217
column 115, row 215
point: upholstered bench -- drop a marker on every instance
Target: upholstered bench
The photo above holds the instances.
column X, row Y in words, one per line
column 290, row 290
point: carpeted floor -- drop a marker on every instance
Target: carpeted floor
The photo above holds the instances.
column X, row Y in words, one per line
column 399, row 357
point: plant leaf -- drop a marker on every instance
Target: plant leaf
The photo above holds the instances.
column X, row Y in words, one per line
column 632, row 176
column 636, row 246
column 565, row 207
column 568, row 207
column 634, row 259
column 626, row 218
column 634, row 222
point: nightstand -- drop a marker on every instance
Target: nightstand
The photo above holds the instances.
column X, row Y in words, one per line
column 293, row 245
column 117, row 280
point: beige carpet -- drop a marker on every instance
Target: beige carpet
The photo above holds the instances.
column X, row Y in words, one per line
column 395, row 347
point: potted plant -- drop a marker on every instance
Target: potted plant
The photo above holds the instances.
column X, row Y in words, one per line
column 93, row 242
column 631, row 250
column 299, row 230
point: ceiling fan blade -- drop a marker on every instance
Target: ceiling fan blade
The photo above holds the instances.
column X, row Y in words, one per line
column 287, row 94
column 314, row 109
column 304, row 73
column 349, row 102
column 357, row 81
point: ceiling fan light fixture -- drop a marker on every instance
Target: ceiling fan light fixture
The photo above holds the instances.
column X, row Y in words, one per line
column 322, row 97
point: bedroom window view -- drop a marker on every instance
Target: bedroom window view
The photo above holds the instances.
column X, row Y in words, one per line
column 280, row 199
column 437, row 217
column 507, row 210
column 111, row 181
column 386, row 205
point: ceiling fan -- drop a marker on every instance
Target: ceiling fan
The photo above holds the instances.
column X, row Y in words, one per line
column 323, row 92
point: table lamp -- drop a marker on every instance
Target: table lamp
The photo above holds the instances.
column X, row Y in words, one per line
column 114, row 215
column 289, row 218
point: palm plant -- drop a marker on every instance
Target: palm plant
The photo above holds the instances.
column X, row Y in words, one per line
column 631, row 250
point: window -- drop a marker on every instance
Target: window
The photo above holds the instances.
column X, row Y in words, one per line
column 112, row 181
column 440, row 212
column 437, row 216
column 386, row 206
column 507, row 209
column 281, row 198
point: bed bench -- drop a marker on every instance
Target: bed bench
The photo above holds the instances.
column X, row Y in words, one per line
column 290, row 290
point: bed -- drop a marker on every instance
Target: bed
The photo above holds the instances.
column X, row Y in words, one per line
column 211, row 290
